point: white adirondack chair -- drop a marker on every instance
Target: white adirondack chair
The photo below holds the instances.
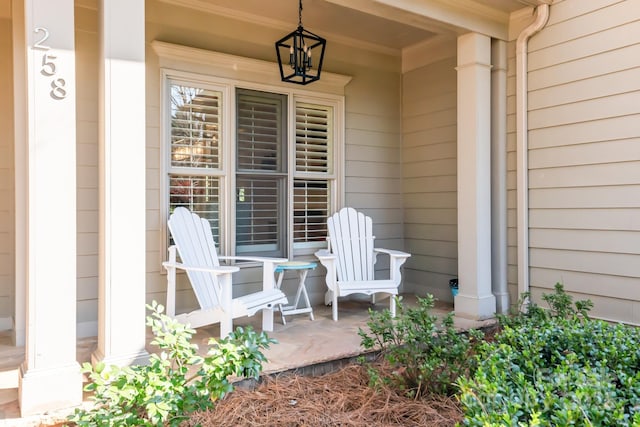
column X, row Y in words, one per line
column 211, row 282
column 351, row 257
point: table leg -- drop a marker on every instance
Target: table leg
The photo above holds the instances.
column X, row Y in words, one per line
column 278, row 284
column 302, row 287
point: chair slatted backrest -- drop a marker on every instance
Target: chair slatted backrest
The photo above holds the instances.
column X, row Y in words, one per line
column 351, row 240
column 194, row 240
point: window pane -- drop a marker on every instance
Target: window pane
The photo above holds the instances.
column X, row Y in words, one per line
column 310, row 210
column 260, row 131
column 199, row 194
column 195, row 127
column 259, row 223
column 313, row 131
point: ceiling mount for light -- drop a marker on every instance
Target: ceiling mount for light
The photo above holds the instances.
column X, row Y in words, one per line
column 305, row 52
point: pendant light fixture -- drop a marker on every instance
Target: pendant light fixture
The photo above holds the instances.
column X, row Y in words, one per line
column 304, row 52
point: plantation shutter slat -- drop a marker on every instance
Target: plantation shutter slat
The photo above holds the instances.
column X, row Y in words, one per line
column 195, row 127
column 313, row 130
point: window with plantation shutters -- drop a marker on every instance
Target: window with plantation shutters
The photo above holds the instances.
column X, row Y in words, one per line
column 195, row 121
column 260, row 166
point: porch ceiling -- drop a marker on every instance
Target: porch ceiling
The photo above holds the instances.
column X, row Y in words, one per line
column 390, row 25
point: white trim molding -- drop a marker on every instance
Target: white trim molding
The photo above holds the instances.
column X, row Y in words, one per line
column 238, row 68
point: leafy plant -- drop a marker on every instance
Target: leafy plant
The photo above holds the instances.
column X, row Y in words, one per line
column 176, row 382
column 428, row 357
column 560, row 304
column 555, row 367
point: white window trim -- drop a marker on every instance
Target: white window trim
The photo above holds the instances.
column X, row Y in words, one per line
column 225, row 73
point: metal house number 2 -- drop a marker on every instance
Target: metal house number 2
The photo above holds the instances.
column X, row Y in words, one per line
column 48, row 68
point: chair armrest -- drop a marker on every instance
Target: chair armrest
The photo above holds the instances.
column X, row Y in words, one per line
column 392, row 252
column 325, row 254
column 396, row 259
column 253, row 258
column 328, row 260
column 268, row 268
column 223, row 269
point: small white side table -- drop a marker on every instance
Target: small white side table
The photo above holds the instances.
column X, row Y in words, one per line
column 302, row 268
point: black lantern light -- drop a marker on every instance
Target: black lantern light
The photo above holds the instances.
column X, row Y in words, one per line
column 305, row 51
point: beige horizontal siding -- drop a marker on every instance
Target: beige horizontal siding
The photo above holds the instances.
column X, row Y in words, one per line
column 371, row 137
column 601, row 197
column 607, row 308
column 429, row 177
column 446, row 183
column 610, row 241
column 614, row 264
column 606, row 62
column 601, row 285
column 436, row 135
column 617, row 82
column 611, row 151
column 584, row 156
column 567, row 10
column 603, row 130
column 620, row 219
column 590, row 17
column 625, row 104
column 616, row 36
column 607, row 174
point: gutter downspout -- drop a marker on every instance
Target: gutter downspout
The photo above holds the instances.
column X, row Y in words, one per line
column 522, row 144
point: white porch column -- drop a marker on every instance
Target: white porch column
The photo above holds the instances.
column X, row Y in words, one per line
column 50, row 376
column 474, row 299
column 121, row 319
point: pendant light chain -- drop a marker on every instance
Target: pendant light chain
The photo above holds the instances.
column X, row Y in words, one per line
column 300, row 13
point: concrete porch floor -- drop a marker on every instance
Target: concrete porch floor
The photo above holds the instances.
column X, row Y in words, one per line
column 301, row 343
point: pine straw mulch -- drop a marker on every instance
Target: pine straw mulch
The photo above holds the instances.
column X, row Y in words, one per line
column 342, row 398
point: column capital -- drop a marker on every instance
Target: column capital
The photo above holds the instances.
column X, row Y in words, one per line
column 474, row 47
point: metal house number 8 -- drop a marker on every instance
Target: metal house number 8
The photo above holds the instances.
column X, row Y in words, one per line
column 48, row 68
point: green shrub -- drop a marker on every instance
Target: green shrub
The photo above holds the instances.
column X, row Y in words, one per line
column 428, row 356
column 560, row 304
column 555, row 367
column 176, row 382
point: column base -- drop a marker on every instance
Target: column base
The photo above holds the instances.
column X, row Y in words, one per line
column 502, row 302
column 475, row 308
column 138, row 358
column 49, row 389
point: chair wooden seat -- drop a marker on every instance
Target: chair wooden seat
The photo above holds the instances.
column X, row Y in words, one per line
column 212, row 282
column 351, row 258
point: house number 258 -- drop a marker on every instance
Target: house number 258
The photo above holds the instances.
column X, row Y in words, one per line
column 48, row 67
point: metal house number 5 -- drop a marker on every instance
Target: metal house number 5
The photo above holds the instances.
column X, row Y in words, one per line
column 48, row 68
